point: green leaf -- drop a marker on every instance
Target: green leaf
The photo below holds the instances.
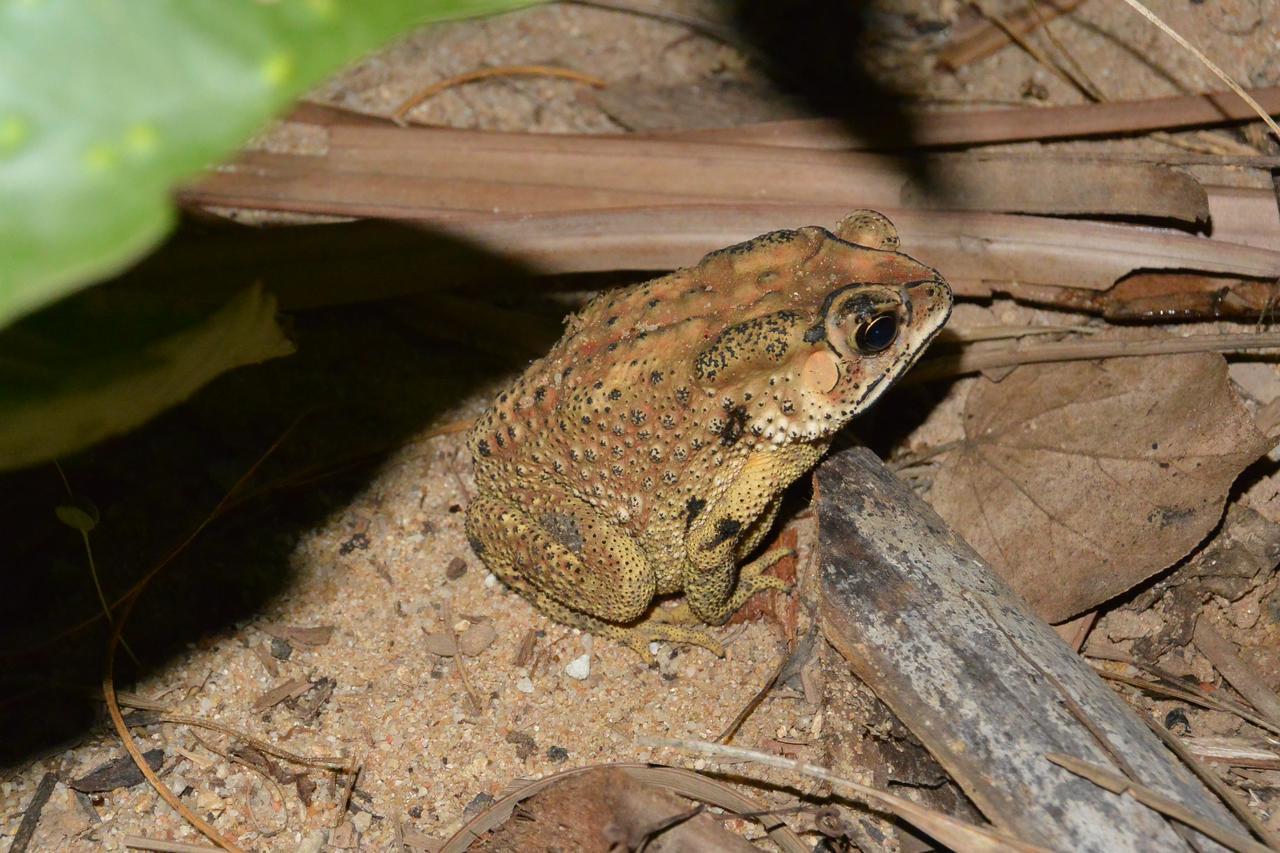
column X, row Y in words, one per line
column 105, row 104
column 107, row 360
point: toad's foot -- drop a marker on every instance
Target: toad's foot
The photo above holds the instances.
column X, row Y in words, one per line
column 637, row 636
column 640, row 636
column 678, row 614
column 752, row 579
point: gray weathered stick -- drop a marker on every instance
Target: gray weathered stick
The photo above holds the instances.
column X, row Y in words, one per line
column 984, row 683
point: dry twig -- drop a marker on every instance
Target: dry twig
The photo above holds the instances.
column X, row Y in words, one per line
column 31, row 817
column 1208, row 63
column 135, row 842
column 971, row 361
column 1224, row 659
column 954, row 833
column 1118, row 784
column 1214, row 783
column 428, row 92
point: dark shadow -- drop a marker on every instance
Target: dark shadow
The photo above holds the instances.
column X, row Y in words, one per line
column 364, row 379
column 816, row 51
column 898, row 414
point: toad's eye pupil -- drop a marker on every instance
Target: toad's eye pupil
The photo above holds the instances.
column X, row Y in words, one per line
column 877, row 334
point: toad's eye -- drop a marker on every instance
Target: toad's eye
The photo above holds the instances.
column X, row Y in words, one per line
column 877, row 333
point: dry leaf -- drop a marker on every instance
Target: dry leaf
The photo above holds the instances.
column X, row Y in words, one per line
column 1077, row 481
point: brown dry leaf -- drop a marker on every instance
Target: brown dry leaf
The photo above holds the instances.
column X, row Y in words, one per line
column 1079, row 480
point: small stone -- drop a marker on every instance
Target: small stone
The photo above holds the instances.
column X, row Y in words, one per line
column 280, row 649
column 558, row 754
column 478, row 803
column 524, row 685
column 440, row 644
column 490, row 580
column 362, row 821
column 457, row 568
column 314, row 842
column 477, row 638
column 524, row 742
column 345, row 837
column 579, row 668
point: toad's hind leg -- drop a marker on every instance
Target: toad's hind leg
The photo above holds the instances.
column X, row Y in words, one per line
column 575, row 568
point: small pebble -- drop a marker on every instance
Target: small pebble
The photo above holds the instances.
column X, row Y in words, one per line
column 477, row 638
column 457, row 568
column 362, row 821
column 524, row 685
column 440, row 644
column 478, row 803
column 490, row 580
column 579, row 668
column 558, row 754
column 280, row 649
column 314, row 842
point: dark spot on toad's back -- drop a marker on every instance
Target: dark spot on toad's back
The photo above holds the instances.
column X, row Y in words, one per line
column 564, row 529
column 733, row 426
column 726, row 529
column 691, row 510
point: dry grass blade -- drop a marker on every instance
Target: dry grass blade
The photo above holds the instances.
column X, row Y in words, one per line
column 131, row 746
column 985, row 37
column 951, row 832
column 1189, row 696
column 339, row 765
column 974, row 361
column 108, row 675
column 1215, row 784
column 1210, row 64
column 973, row 334
column 984, row 127
column 436, row 88
column 1118, row 784
column 1224, row 659
column 442, row 169
column 134, row 842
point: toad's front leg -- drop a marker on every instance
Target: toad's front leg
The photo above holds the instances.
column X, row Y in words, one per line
column 713, row 586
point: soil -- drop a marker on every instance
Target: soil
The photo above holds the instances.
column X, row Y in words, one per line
column 348, row 574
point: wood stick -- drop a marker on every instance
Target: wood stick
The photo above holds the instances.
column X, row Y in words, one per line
column 981, row 680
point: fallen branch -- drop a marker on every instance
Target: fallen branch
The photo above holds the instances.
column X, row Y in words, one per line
column 984, row 684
